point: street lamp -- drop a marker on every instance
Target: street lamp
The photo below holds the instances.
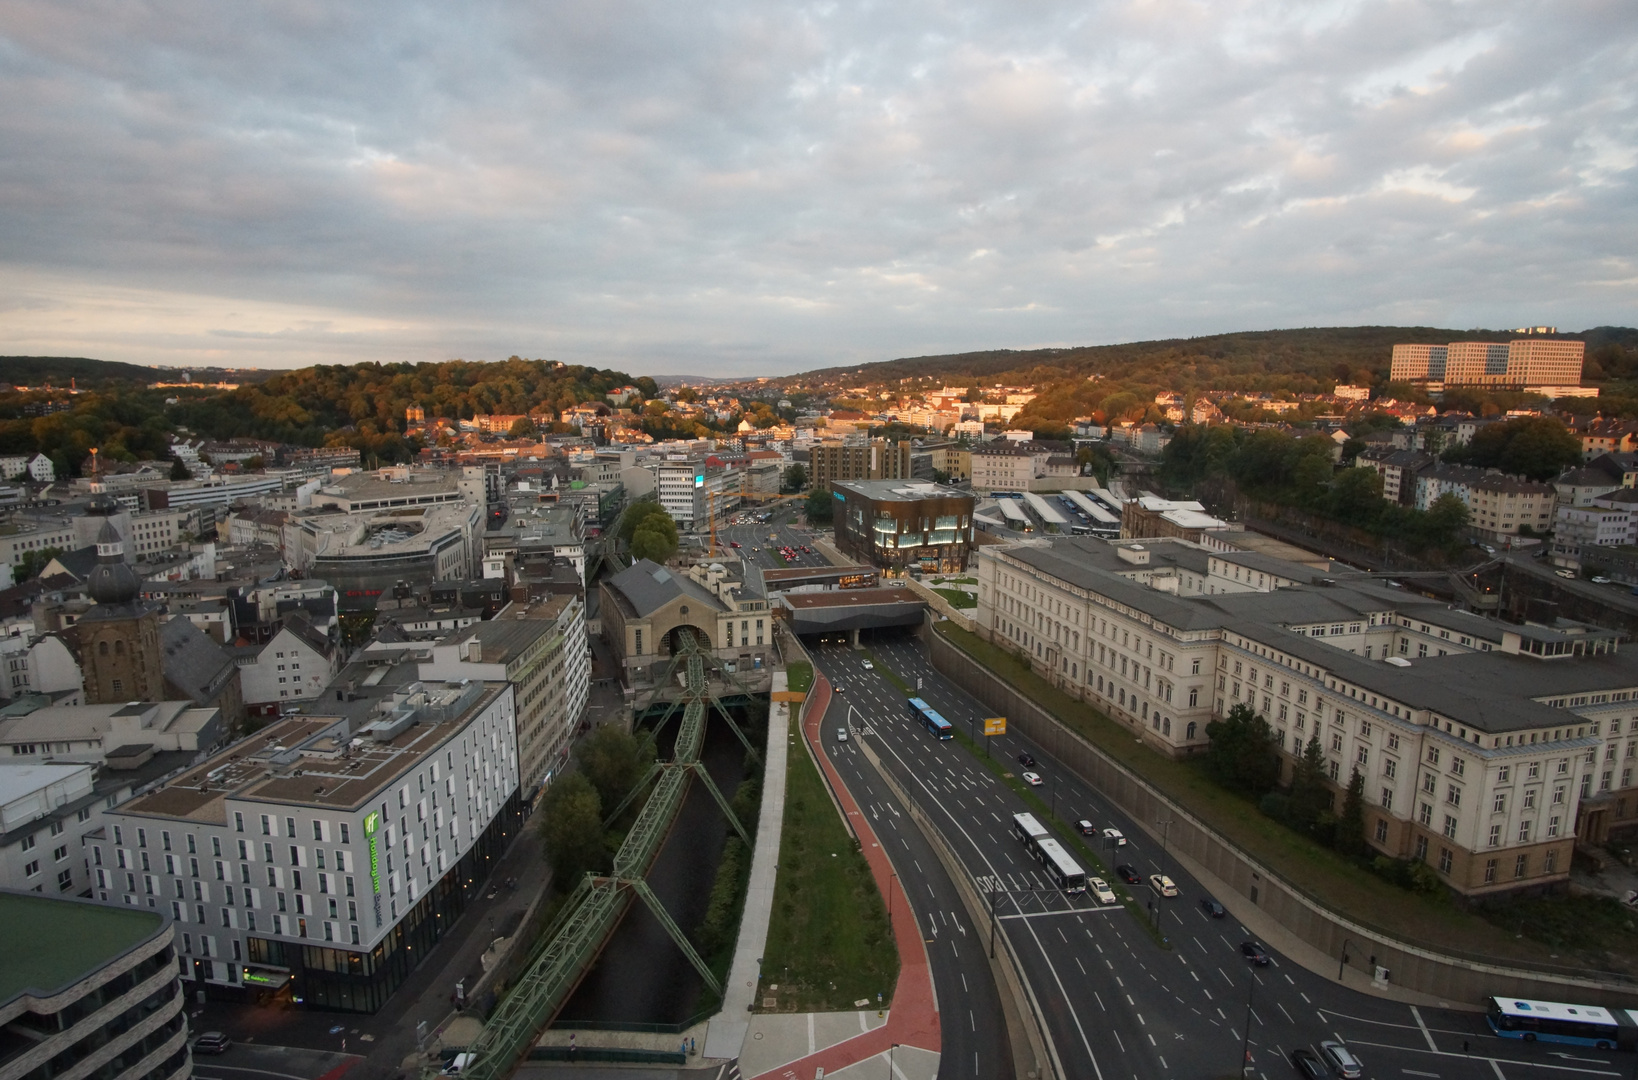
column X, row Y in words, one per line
column 890, row 1050
column 1165, row 835
column 893, row 889
column 1344, row 961
column 1245, row 1043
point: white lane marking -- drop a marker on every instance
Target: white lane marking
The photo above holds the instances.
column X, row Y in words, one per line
column 1426, row 1034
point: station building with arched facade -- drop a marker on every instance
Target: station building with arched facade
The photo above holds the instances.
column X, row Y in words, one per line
column 645, row 605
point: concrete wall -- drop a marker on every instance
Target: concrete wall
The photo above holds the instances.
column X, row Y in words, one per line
column 1415, row 967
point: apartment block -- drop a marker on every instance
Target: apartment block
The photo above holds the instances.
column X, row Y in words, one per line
column 1520, row 363
column 878, row 459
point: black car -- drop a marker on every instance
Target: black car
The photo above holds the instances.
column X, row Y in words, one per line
column 1212, row 907
column 1027, row 760
column 1307, row 1065
column 1128, row 875
column 1086, row 827
column 1254, row 953
column 838, row 688
column 212, row 1042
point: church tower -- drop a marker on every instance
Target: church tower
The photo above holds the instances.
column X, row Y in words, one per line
column 119, row 636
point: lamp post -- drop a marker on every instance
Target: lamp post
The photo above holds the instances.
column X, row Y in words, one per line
column 890, row 1050
column 1165, row 836
column 1245, row 1043
column 891, row 890
column 1344, row 961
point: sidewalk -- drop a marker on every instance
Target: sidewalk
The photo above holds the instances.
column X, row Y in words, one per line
column 725, row 1037
column 909, row 1039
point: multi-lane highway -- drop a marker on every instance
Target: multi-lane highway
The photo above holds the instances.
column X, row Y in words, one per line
column 1116, row 1001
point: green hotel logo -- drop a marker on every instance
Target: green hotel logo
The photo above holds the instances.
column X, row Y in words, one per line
column 372, row 821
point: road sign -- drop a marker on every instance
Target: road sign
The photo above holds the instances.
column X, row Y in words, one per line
column 995, row 725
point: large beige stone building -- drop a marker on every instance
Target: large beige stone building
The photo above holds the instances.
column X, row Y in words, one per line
column 1487, row 749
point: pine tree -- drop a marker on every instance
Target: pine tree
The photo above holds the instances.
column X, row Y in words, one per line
column 1351, row 827
column 1309, row 795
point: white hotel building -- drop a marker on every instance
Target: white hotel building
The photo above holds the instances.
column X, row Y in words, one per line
column 1487, row 748
column 327, row 852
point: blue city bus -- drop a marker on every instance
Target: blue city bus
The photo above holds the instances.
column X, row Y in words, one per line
column 924, row 714
column 1552, row 1021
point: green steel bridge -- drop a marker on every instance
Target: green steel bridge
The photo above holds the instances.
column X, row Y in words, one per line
column 572, row 943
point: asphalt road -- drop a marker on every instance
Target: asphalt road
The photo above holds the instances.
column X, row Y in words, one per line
column 1116, row 1002
column 756, row 546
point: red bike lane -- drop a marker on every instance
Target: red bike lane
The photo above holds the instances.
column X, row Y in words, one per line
column 913, row 1019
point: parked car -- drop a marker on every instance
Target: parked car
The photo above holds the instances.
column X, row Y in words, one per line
column 1307, row 1065
column 1565, row 573
column 1033, row 779
column 1162, row 884
column 1341, row 1060
column 1600, row 579
column 1128, row 875
column 1027, row 760
column 1086, row 827
column 212, row 1042
column 1115, row 837
column 1254, row 953
column 1212, row 907
column 1100, row 889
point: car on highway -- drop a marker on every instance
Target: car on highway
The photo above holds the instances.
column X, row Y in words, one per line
column 1307, row 1065
column 1212, row 907
column 733, row 543
column 1115, row 837
column 868, row 666
column 1600, row 579
column 1162, row 884
column 1100, row 889
column 1033, row 779
column 1128, row 875
column 212, row 1042
column 1086, row 827
column 1027, row 760
column 841, row 734
column 1341, row 1060
column 837, row 688
column 1255, row 953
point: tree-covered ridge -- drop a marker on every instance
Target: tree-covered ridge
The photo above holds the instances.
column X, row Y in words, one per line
column 364, row 404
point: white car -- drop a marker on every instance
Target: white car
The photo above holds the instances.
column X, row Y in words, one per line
column 868, row 666
column 1163, row 885
column 1100, row 889
column 1033, row 779
column 1115, row 837
column 841, row 734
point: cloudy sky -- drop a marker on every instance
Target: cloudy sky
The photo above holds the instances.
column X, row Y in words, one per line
column 757, row 187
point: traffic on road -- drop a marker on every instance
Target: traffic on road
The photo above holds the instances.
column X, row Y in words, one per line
column 1168, row 984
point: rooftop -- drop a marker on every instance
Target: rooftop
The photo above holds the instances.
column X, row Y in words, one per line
column 902, row 490
column 385, row 721
column 52, row 942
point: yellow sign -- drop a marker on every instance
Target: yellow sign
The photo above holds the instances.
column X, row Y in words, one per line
column 789, row 695
column 995, row 725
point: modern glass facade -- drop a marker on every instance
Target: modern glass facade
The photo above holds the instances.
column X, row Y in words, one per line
column 925, row 527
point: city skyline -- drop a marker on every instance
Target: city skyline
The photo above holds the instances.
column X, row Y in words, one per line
column 743, row 191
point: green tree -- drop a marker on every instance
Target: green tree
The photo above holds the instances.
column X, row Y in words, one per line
column 635, row 515
column 614, row 760
column 655, row 538
column 796, row 478
column 179, row 471
column 522, row 428
column 1350, row 839
column 32, row 562
column 1537, row 447
column 571, row 830
column 1241, row 755
column 1310, row 796
column 820, row 507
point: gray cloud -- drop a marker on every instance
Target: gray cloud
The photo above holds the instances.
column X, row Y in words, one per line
column 751, row 187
